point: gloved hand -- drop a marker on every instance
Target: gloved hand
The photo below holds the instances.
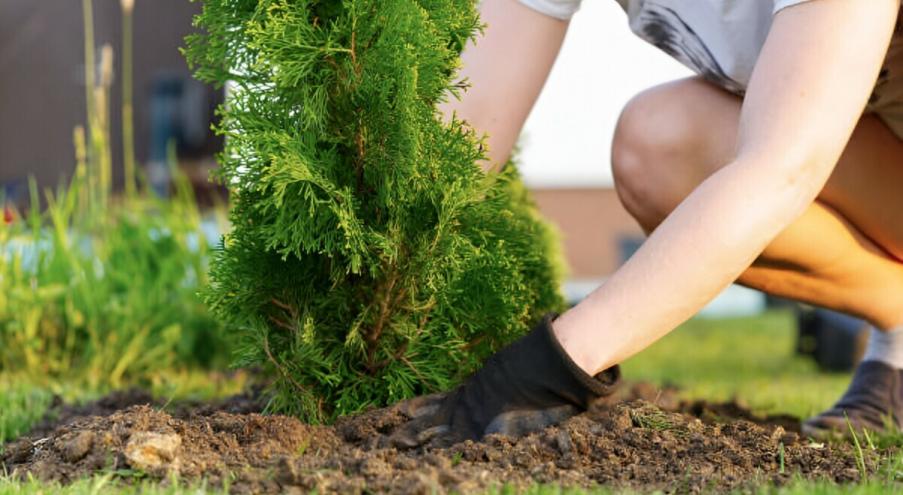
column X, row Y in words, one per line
column 528, row 385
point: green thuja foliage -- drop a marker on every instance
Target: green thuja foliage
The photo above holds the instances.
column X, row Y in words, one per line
column 371, row 259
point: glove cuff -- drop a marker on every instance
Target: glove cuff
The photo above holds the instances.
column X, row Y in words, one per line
column 603, row 384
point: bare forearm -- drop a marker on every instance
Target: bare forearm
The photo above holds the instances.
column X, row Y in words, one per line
column 798, row 114
column 704, row 246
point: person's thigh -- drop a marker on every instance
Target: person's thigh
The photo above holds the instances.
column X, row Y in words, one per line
column 867, row 185
column 672, row 137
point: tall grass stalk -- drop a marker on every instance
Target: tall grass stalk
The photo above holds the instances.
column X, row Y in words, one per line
column 860, row 455
column 128, row 126
column 90, row 68
column 100, row 130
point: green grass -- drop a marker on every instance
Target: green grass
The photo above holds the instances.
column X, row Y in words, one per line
column 106, row 295
column 97, row 293
column 103, row 485
column 652, row 420
column 20, row 406
column 795, row 487
column 98, row 290
column 752, row 359
column 801, row 487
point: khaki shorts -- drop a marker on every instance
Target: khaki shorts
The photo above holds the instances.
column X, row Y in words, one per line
column 887, row 98
column 721, row 40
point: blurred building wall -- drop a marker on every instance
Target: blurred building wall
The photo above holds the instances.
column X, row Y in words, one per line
column 42, row 93
column 594, row 228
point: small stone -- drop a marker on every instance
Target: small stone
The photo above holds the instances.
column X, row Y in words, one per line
column 77, row 447
column 150, row 451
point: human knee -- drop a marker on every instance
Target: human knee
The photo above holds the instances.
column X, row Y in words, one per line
column 651, row 152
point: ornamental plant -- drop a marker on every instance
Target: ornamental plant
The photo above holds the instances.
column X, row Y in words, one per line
column 370, row 258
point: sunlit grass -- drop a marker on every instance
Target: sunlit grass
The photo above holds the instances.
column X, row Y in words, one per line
column 21, row 404
column 105, row 485
column 752, row 359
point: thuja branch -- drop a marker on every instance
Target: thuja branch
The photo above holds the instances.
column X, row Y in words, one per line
column 358, row 202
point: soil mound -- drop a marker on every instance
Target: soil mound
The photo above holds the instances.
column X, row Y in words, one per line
column 634, row 444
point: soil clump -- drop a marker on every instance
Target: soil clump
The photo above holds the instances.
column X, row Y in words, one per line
column 635, row 444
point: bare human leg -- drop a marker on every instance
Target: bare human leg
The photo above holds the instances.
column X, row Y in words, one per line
column 843, row 253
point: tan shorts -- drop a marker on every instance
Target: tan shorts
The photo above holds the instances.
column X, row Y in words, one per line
column 887, row 98
column 721, row 40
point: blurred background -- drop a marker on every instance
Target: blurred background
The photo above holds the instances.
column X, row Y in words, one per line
column 45, row 87
column 42, row 90
column 565, row 145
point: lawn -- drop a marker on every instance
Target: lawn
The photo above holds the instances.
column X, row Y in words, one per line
column 750, row 359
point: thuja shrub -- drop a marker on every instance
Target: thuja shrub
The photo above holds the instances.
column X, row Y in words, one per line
column 371, row 259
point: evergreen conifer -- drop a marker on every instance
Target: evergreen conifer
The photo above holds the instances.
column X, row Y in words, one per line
column 370, row 259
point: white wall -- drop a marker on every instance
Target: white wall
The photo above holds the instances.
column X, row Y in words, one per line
column 567, row 138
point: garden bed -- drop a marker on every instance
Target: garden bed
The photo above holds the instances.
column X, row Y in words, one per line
column 697, row 446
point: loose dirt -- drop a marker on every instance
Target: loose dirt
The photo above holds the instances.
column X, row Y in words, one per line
column 634, row 444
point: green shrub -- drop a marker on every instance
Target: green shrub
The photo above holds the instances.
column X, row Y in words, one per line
column 370, row 259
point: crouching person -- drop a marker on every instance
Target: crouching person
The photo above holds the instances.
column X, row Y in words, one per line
column 781, row 165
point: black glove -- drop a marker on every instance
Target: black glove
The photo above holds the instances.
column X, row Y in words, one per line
column 526, row 386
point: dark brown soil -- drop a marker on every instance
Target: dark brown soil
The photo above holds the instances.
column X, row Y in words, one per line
column 60, row 413
column 632, row 444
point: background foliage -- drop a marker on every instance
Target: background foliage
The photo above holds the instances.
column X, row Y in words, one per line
column 371, row 259
column 108, row 296
column 98, row 290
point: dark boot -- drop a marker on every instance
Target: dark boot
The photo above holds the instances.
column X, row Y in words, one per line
column 873, row 401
